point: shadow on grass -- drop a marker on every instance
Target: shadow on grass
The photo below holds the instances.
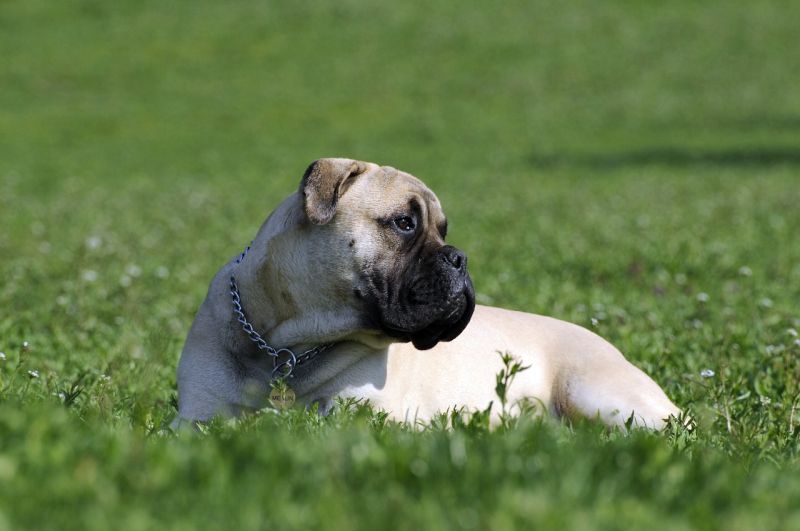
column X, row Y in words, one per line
column 767, row 122
column 668, row 156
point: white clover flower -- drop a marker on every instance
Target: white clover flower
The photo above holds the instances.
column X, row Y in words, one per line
column 2, row 356
column 89, row 275
column 595, row 322
column 124, row 281
column 162, row 272
column 766, row 302
column 33, row 374
column 745, row 271
column 702, row 297
column 26, row 346
column 792, row 332
column 707, row 373
column 133, row 270
column 94, row 242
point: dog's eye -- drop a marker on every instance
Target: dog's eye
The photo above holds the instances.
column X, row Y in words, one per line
column 404, row 223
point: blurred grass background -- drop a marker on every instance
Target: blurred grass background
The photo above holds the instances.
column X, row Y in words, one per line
column 627, row 166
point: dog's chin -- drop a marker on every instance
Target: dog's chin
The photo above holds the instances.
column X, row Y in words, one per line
column 426, row 340
column 445, row 328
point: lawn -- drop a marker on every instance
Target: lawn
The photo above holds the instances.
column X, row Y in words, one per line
column 631, row 167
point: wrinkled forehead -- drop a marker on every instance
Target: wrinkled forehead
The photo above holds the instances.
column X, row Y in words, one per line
column 385, row 190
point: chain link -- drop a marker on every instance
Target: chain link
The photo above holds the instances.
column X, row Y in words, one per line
column 280, row 369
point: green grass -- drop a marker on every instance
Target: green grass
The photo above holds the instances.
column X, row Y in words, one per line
column 633, row 168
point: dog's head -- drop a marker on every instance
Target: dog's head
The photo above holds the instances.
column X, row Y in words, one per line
column 384, row 233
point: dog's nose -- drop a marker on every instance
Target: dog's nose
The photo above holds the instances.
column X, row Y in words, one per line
column 455, row 258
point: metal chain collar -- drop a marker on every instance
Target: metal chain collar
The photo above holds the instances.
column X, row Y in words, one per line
column 280, row 369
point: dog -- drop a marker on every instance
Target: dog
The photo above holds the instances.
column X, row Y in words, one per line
column 349, row 290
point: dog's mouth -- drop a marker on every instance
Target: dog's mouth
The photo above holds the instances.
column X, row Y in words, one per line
column 431, row 299
column 445, row 325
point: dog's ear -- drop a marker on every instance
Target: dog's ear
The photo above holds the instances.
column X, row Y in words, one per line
column 323, row 183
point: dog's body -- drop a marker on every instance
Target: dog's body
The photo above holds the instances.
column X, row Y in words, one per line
column 357, row 258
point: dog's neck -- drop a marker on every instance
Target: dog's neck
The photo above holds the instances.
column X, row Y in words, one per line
column 279, row 310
